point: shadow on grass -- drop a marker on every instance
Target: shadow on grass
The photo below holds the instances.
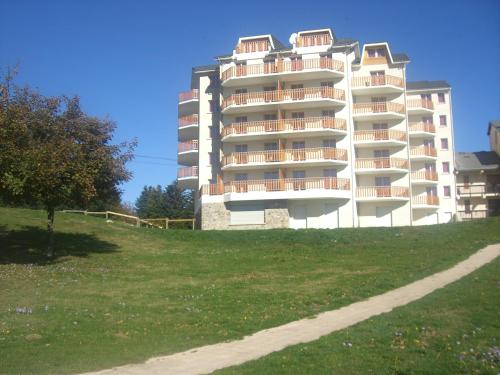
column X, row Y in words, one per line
column 29, row 244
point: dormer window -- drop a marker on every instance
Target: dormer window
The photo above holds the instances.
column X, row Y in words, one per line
column 253, row 45
column 314, row 39
column 376, row 52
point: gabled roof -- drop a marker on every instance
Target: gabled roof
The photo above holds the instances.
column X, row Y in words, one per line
column 476, row 161
column 205, row 68
column 400, row 57
column 493, row 124
column 425, row 85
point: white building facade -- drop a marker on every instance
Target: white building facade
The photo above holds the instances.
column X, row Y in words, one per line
column 317, row 134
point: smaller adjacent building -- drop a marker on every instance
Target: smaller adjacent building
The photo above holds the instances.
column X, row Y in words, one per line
column 478, row 179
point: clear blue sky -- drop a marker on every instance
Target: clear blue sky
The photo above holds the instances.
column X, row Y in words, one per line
column 130, row 59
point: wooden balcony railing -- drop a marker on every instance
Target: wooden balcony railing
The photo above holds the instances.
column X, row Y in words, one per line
column 423, row 151
column 187, row 146
column 420, row 103
column 478, row 189
column 188, row 95
column 379, row 135
column 423, row 127
column 253, row 46
column 375, row 81
column 282, row 66
column 313, row 40
column 188, row 120
column 381, row 163
column 382, row 192
column 472, row 214
column 187, row 172
column 284, row 95
column 429, row 200
column 285, row 125
column 287, row 155
column 378, row 107
column 286, row 184
column 424, row 175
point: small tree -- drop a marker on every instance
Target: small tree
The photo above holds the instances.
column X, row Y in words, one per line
column 52, row 153
column 171, row 202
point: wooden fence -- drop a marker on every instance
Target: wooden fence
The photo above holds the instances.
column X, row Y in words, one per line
column 160, row 223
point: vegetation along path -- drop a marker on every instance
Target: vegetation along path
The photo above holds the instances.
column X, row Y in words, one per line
column 207, row 359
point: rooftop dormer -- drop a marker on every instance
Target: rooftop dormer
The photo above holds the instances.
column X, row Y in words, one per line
column 380, row 53
column 313, row 38
column 263, row 43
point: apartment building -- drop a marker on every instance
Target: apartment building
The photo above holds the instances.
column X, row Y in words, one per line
column 316, row 134
column 478, row 179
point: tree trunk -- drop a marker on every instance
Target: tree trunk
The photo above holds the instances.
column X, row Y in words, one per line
column 50, row 228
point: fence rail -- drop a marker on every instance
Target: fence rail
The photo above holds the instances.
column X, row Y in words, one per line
column 161, row 223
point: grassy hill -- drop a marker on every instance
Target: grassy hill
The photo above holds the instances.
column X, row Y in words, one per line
column 119, row 294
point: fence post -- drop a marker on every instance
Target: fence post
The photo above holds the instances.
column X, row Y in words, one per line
column 166, row 223
column 107, row 215
column 194, row 220
column 85, row 212
column 138, row 222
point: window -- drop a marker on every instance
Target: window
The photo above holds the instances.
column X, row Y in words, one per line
column 241, row 148
column 297, row 114
column 298, row 145
column 441, row 97
column 274, row 175
column 426, row 97
column 446, row 191
column 379, row 126
column 381, row 153
column 241, row 177
column 327, row 84
column 427, row 120
column 444, row 143
column 329, row 173
column 329, row 113
column 467, row 206
column 377, row 78
column 376, row 52
column 240, row 119
column 442, row 120
column 466, row 181
column 330, row 143
column 272, row 146
column 382, row 181
column 270, row 116
column 446, row 167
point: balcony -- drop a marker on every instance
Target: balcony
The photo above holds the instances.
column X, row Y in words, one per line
column 425, row 202
column 287, row 188
column 382, row 193
column 378, row 111
column 424, row 178
column 423, row 153
column 420, row 106
column 379, row 138
column 422, row 130
column 187, row 152
column 188, row 127
column 369, row 85
column 291, row 127
column 381, row 165
column 472, row 215
column 252, row 46
column 317, row 68
column 310, row 97
column 187, row 177
column 478, row 190
column 321, row 156
column 188, row 102
column 187, row 96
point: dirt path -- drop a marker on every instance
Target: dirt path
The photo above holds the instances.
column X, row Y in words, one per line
column 205, row 359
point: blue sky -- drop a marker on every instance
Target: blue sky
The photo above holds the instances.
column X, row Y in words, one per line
column 130, row 59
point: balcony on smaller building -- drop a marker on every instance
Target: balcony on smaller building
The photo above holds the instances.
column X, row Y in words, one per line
column 424, row 178
column 188, row 127
column 422, row 130
column 319, row 156
column 188, row 102
column 312, row 69
column 187, row 96
column 425, row 202
column 423, row 153
column 378, row 111
column 379, row 138
column 472, row 215
column 309, row 97
column 381, row 165
column 291, row 127
column 187, row 152
column 484, row 190
column 371, row 85
column 382, row 193
column 420, row 106
column 285, row 188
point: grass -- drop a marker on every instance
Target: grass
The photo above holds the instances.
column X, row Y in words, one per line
column 118, row 294
column 455, row 330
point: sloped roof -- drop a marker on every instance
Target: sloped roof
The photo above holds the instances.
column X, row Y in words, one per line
column 205, row 68
column 423, row 85
column 474, row 161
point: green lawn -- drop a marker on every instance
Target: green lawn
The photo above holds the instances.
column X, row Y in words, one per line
column 455, row 330
column 119, row 294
